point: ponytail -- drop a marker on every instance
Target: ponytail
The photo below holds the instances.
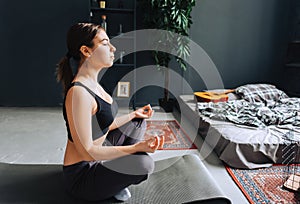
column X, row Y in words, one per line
column 64, row 73
column 79, row 34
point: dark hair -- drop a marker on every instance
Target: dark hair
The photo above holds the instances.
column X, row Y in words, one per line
column 78, row 35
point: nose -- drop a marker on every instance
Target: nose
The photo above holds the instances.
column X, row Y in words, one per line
column 112, row 48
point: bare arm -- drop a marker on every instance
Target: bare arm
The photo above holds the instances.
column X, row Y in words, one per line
column 144, row 112
column 80, row 107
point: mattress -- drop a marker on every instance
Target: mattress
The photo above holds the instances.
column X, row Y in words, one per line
column 240, row 146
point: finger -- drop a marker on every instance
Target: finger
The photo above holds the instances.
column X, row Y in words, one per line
column 162, row 141
column 147, row 108
column 145, row 111
column 156, row 143
column 153, row 144
column 148, row 114
column 142, row 115
column 151, row 141
column 151, row 113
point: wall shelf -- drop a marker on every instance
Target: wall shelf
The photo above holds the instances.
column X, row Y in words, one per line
column 294, row 65
column 112, row 10
column 123, row 65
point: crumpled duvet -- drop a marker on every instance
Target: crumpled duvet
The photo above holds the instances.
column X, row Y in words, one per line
column 257, row 114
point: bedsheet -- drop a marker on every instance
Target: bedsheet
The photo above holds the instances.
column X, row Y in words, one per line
column 258, row 114
column 239, row 145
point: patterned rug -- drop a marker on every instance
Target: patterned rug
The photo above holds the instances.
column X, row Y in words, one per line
column 175, row 136
column 266, row 185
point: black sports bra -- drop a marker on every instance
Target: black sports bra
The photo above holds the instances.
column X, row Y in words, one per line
column 101, row 120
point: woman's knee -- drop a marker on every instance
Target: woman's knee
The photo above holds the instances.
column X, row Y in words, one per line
column 136, row 164
column 145, row 163
column 139, row 123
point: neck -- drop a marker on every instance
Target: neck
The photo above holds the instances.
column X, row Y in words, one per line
column 87, row 72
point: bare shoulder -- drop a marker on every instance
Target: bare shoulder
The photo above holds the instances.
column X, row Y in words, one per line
column 78, row 94
column 79, row 98
column 77, row 91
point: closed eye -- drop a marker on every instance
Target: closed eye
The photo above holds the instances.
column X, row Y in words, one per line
column 105, row 41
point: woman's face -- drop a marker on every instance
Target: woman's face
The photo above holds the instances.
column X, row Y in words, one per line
column 102, row 52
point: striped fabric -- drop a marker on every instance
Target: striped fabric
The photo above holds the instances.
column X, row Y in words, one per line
column 255, row 114
column 260, row 93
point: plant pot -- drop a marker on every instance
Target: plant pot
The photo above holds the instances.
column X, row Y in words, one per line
column 167, row 105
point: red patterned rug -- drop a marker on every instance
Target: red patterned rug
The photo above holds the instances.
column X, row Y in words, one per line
column 266, row 185
column 175, row 136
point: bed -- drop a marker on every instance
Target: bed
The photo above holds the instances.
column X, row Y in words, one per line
column 255, row 128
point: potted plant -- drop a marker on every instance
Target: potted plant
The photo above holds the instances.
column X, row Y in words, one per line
column 173, row 16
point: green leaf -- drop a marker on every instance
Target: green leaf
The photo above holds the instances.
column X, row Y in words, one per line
column 173, row 16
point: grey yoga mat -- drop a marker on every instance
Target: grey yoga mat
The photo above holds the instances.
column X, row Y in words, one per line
column 182, row 179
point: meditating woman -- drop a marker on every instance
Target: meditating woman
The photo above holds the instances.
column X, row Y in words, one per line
column 104, row 155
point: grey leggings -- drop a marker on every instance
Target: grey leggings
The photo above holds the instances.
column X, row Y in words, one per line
column 96, row 180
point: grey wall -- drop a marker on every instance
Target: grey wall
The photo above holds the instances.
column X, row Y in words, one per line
column 245, row 39
column 32, row 41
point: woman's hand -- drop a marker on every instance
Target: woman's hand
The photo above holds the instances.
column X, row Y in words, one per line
column 151, row 144
column 144, row 112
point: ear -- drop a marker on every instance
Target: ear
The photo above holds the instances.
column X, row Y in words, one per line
column 85, row 51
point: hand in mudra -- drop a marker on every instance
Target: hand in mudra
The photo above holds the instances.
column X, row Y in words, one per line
column 159, row 140
column 144, row 112
column 151, row 144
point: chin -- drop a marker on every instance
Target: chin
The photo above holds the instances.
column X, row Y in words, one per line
column 109, row 65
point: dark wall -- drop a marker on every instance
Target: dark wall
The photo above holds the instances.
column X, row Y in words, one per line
column 247, row 40
column 32, row 42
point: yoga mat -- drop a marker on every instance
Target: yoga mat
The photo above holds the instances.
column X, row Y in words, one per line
column 176, row 180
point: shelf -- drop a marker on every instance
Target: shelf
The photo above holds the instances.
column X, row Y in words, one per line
column 294, row 42
column 112, row 10
column 294, row 65
column 123, row 65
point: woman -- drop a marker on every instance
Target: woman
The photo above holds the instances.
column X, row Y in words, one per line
column 104, row 155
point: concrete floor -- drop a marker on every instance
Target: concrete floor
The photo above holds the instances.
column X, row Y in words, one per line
column 38, row 136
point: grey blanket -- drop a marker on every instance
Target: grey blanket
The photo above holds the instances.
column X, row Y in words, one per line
column 257, row 114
